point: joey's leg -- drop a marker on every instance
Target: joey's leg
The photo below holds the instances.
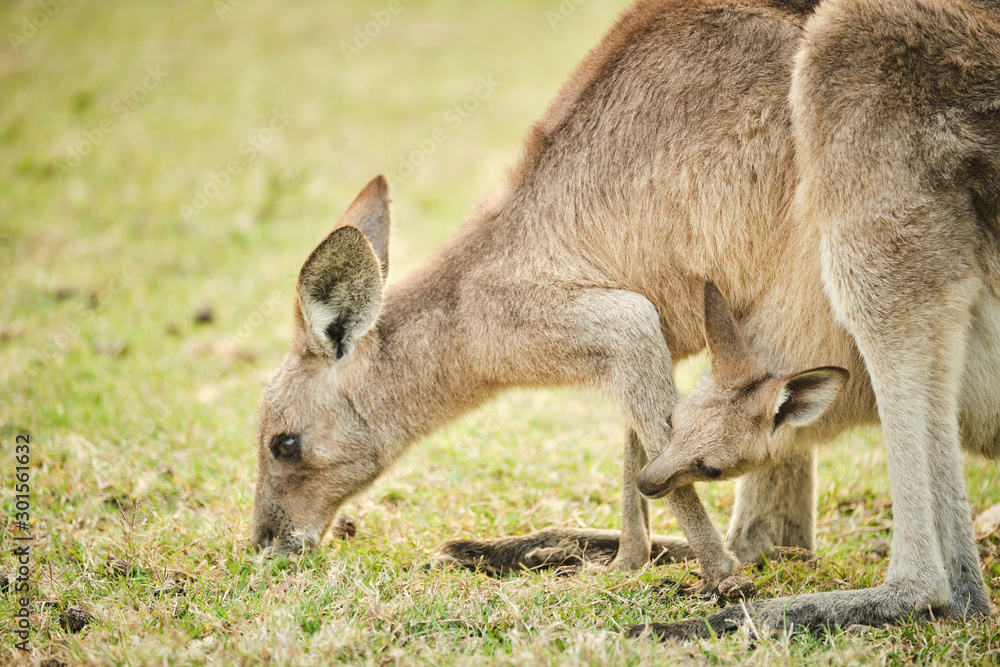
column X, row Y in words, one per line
column 635, row 543
column 775, row 507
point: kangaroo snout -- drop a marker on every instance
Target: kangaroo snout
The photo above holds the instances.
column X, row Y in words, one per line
column 653, row 484
column 262, row 538
column 271, row 528
column 674, row 468
column 291, row 543
column 262, row 533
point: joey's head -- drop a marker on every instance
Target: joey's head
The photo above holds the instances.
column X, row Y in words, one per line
column 315, row 447
column 739, row 416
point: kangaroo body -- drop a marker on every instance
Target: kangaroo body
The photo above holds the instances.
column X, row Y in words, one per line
column 839, row 235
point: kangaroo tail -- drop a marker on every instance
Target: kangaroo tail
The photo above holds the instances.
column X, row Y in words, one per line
column 551, row 547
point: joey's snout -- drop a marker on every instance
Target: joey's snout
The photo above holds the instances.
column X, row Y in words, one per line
column 668, row 472
column 649, row 487
column 656, row 479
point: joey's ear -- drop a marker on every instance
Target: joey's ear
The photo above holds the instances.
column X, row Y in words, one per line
column 339, row 292
column 732, row 359
column 804, row 397
column 370, row 214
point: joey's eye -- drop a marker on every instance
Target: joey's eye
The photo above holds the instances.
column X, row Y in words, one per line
column 285, row 447
column 708, row 471
column 670, row 421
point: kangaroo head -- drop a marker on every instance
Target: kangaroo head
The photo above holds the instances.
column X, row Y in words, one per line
column 739, row 415
column 314, row 449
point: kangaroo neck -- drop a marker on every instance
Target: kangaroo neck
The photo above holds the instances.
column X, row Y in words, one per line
column 423, row 365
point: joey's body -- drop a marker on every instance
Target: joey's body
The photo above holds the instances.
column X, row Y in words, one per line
column 671, row 154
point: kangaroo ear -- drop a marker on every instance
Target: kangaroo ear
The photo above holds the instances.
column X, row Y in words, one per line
column 339, row 292
column 804, row 397
column 370, row 214
column 731, row 355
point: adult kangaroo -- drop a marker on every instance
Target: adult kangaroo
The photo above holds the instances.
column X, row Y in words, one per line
column 672, row 154
column 896, row 120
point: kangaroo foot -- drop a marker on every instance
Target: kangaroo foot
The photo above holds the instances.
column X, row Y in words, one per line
column 737, row 587
column 626, row 562
column 730, row 589
column 883, row 605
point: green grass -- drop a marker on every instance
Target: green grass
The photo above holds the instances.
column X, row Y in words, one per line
column 132, row 404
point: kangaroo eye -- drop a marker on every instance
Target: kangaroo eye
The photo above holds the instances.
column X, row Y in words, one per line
column 708, row 471
column 285, row 447
column 670, row 421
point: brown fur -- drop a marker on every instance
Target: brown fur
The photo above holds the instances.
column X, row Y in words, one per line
column 855, row 227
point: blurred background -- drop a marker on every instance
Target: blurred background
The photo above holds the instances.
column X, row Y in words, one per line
column 165, row 168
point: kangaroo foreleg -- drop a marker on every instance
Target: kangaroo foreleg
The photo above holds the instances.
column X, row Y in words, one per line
column 634, row 547
column 717, row 562
column 610, row 340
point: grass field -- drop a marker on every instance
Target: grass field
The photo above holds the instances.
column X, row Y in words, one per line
column 165, row 168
